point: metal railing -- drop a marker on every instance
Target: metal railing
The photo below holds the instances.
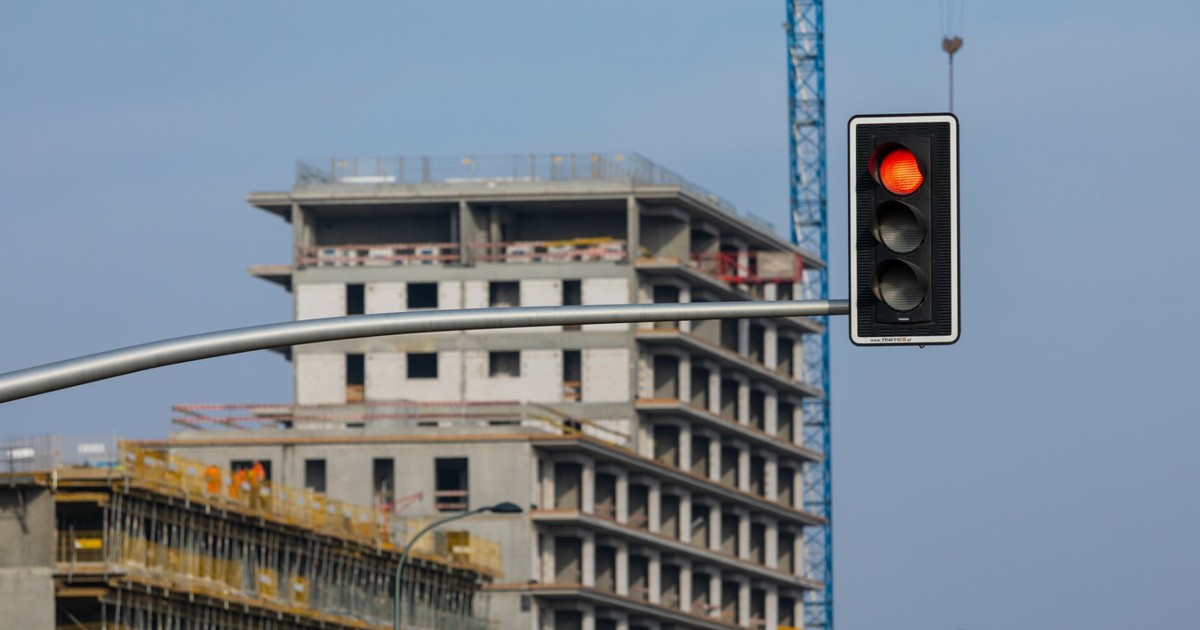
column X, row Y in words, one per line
column 595, row 249
column 505, row 415
column 47, row 452
column 498, row 170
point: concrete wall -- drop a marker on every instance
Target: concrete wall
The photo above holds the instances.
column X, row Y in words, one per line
column 496, row 472
column 323, row 299
column 27, row 530
column 320, row 377
column 605, row 291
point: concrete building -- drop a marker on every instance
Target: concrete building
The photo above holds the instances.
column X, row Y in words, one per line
column 662, row 465
column 131, row 537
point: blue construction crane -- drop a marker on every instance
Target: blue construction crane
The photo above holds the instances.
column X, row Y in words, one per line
column 806, row 117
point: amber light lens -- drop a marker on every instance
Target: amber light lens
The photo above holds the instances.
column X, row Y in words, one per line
column 900, row 173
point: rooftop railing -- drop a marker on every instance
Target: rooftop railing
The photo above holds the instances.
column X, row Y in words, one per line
column 494, row 171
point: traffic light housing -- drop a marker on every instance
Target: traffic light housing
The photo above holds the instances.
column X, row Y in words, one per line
column 904, row 283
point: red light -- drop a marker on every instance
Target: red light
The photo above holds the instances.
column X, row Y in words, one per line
column 900, row 173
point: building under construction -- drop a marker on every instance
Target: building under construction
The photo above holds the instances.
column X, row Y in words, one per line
column 665, row 467
column 133, row 537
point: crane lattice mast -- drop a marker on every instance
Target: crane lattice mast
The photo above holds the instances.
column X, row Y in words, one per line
column 806, row 113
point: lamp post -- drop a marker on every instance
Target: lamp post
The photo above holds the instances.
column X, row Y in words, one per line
column 506, row 507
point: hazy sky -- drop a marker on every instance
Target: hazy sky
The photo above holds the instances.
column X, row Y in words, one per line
column 1041, row 473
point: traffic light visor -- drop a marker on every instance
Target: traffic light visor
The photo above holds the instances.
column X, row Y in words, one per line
column 899, row 171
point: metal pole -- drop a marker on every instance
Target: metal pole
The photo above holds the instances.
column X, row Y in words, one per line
column 408, row 547
column 71, row 372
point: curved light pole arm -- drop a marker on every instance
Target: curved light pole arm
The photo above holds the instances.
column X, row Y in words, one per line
column 408, row 547
column 96, row 367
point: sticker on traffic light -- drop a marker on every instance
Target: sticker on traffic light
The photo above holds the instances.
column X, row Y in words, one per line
column 904, row 284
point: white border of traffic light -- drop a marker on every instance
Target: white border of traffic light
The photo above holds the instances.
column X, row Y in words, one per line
column 954, row 282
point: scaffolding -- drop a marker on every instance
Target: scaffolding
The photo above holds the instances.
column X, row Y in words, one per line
column 158, row 541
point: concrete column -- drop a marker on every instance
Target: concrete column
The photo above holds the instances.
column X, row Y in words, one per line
column 771, row 612
column 494, row 225
column 770, row 347
column 770, row 292
column 714, row 390
column 547, row 558
column 685, row 584
column 654, row 579
column 799, row 552
column 743, row 402
column 685, row 297
column 547, row 468
column 587, row 480
column 622, row 569
column 714, row 593
column 743, row 603
column 685, row 378
column 633, row 229
column 798, row 488
column 622, row 498
column 714, row 526
column 588, row 561
column 798, row 360
column 714, row 458
column 771, row 544
column 654, row 509
column 685, row 516
column 743, row 332
column 743, row 550
column 464, row 231
column 645, row 439
column 771, row 415
column 622, row 621
column 685, row 445
column 589, row 617
column 798, row 423
column 743, row 468
column 771, row 476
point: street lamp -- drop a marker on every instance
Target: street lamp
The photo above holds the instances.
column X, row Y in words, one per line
column 506, row 507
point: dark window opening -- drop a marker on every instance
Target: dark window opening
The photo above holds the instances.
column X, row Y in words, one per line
column 422, row 295
column 314, row 474
column 730, row 524
column 666, row 376
column 450, row 490
column 355, row 300
column 504, row 364
column 503, row 294
column 423, row 365
column 783, row 421
column 355, row 377
column 784, row 349
column 785, row 485
column 729, row 398
column 568, row 560
column 383, row 472
column 699, row 387
column 758, row 409
column 758, row 475
column 572, row 375
column 572, row 295
column 664, row 294
column 757, row 343
column 729, row 602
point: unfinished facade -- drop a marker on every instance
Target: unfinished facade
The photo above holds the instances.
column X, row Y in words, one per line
column 137, row 538
column 662, row 464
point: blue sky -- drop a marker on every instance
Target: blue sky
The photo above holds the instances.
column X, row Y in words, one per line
column 1037, row 473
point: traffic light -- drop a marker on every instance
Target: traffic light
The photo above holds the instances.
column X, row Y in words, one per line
column 904, row 281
